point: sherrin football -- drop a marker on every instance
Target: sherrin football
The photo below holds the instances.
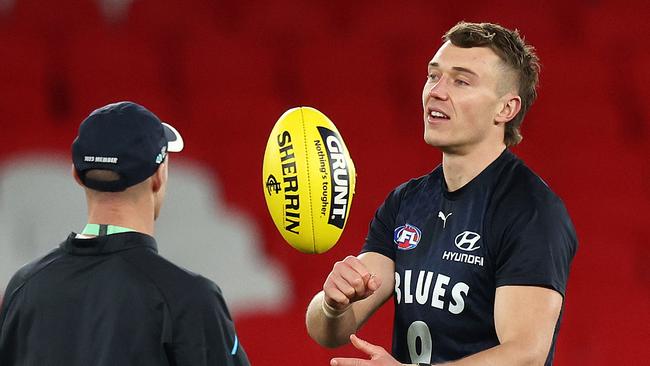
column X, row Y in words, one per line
column 308, row 179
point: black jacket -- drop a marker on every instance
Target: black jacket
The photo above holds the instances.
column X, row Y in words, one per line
column 112, row 300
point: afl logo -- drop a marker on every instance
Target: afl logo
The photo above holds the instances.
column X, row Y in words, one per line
column 467, row 240
column 407, row 237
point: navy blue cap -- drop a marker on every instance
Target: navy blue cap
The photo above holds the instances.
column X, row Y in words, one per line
column 126, row 138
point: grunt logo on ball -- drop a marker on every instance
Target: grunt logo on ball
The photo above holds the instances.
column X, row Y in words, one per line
column 290, row 180
column 339, row 177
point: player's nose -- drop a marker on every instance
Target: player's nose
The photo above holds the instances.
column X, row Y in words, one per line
column 439, row 89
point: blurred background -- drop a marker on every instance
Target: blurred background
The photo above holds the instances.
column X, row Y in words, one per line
column 222, row 72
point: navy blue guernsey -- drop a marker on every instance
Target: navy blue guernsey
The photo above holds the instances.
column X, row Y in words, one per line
column 453, row 249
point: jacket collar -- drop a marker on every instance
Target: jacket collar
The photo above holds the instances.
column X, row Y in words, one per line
column 106, row 244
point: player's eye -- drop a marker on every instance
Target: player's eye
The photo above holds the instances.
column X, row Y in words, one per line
column 432, row 77
column 461, row 82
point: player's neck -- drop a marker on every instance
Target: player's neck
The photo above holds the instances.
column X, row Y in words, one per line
column 460, row 168
column 129, row 216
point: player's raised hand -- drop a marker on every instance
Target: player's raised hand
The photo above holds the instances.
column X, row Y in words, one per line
column 348, row 282
column 378, row 355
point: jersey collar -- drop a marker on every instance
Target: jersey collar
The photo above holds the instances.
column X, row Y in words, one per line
column 481, row 180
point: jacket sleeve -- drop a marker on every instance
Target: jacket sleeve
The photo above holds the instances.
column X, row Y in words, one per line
column 203, row 330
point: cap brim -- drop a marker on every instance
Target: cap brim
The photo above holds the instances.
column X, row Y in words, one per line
column 174, row 139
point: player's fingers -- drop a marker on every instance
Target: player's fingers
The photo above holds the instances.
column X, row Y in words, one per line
column 337, row 291
column 336, row 299
column 373, row 282
column 366, row 347
column 346, row 278
column 357, row 265
column 349, row 362
column 356, row 281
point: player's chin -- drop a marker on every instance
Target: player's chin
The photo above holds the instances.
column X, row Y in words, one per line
column 433, row 139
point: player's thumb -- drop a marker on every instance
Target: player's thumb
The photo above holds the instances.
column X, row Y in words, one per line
column 373, row 283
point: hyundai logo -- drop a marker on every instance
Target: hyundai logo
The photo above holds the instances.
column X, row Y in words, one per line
column 467, row 241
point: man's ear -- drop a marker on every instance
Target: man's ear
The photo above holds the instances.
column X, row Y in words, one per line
column 510, row 106
column 158, row 178
column 75, row 175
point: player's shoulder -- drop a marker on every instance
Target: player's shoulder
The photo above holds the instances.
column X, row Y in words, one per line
column 421, row 183
column 32, row 269
column 519, row 188
column 418, row 189
column 176, row 282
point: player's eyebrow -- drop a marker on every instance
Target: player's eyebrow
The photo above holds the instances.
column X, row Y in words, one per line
column 456, row 68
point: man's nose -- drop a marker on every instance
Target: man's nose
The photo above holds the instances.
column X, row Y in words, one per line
column 439, row 89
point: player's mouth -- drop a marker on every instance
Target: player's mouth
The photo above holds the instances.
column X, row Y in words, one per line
column 436, row 115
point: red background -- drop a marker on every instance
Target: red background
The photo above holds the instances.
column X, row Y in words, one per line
column 223, row 71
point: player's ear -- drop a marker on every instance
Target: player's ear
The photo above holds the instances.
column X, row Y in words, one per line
column 508, row 108
column 159, row 177
column 75, row 175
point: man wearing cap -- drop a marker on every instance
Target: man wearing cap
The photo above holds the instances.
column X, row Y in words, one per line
column 105, row 296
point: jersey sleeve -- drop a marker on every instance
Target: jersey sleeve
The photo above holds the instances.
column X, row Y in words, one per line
column 204, row 333
column 537, row 247
column 380, row 232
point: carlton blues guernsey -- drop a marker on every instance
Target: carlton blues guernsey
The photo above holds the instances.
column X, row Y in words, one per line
column 112, row 300
column 453, row 249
